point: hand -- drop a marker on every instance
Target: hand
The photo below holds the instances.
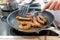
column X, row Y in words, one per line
column 52, row 5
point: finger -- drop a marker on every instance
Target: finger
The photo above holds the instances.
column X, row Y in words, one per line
column 56, row 6
column 59, row 8
column 46, row 6
column 52, row 5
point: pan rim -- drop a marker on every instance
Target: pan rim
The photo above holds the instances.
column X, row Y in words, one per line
column 37, row 28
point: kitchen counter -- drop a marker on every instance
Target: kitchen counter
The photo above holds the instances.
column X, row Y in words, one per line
column 34, row 38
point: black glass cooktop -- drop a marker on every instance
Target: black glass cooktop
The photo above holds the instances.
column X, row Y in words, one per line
column 41, row 33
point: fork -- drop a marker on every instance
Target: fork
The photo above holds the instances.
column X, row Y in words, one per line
column 23, row 10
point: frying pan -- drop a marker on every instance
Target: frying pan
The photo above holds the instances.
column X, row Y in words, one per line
column 13, row 22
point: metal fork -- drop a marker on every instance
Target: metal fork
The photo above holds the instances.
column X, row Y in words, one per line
column 23, row 10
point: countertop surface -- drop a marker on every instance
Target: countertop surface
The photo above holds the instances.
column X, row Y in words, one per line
column 34, row 38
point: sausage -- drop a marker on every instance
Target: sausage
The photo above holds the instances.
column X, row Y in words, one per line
column 41, row 19
column 25, row 25
column 36, row 24
column 20, row 18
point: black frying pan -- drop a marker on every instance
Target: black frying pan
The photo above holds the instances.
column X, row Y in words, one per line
column 11, row 20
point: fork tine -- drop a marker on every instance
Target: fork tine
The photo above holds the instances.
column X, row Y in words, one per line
column 23, row 11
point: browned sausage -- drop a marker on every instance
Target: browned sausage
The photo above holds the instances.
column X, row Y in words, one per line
column 25, row 25
column 41, row 19
column 20, row 18
column 35, row 23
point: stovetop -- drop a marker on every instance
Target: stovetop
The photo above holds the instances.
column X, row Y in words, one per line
column 6, row 30
column 41, row 33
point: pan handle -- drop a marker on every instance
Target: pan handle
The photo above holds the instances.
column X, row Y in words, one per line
column 50, row 28
column 38, row 30
column 2, row 18
column 55, row 25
